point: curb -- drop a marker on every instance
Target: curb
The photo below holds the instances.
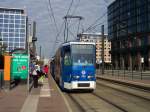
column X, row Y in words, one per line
column 128, row 83
column 65, row 100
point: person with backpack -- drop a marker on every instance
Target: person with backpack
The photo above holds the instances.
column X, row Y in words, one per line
column 45, row 70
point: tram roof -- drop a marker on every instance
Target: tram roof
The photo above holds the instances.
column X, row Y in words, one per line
column 84, row 43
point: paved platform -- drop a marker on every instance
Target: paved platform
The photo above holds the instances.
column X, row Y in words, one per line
column 46, row 98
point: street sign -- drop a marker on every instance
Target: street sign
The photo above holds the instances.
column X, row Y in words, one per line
column 19, row 66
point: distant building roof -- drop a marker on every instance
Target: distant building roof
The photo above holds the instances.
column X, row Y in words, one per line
column 13, row 9
column 94, row 34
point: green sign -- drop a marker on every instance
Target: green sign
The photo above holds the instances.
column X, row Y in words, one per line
column 19, row 66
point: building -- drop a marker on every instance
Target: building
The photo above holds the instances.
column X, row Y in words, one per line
column 13, row 30
column 129, row 32
column 97, row 39
column 32, row 40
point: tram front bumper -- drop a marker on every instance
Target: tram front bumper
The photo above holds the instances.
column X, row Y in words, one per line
column 80, row 85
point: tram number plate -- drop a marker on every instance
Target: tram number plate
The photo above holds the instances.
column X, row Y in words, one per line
column 83, row 85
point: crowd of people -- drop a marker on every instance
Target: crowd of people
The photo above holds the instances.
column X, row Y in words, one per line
column 38, row 72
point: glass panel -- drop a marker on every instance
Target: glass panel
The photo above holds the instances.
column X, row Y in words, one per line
column 12, row 21
column 16, row 34
column 6, row 16
column 11, row 34
column 23, row 26
column 16, row 44
column 11, row 16
column 0, row 29
column 5, row 25
column 17, row 16
column 1, row 25
column 22, row 21
column 5, row 34
column 67, row 59
column 17, row 26
column 22, row 35
column 22, row 39
column 1, row 16
column 11, row 30
column 11, row 25
column 5, row 30
column 17, row 30
column 16, row 39
column 22, row 44
column 1, row 20
column 22, row 30
column 5, row 39
column 11, row 39
column 17, row 21
column 83, row 54
column 23, row 17
column 10, row 44
column 5, row 20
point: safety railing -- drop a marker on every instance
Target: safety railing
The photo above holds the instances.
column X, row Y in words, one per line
column 130, row 74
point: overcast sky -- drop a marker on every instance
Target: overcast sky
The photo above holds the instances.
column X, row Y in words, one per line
column 40, row 11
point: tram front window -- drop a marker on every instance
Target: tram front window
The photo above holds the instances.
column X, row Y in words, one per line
column 83, row 54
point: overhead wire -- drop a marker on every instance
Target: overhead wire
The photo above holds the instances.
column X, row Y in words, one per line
column 66, row 23
column 95, row 26
column 54, row 20
column 58, row 34
column 69, row 7
column 98, row 19
column 53, row 15
column 76, row 7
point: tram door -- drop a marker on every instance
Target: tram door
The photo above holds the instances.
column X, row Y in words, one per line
column 66, row 64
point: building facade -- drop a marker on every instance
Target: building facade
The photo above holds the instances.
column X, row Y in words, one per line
column 129, row 32
column 97, row 39
column 13, row 30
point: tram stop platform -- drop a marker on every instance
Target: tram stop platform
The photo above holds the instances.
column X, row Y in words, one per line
column 46, row 98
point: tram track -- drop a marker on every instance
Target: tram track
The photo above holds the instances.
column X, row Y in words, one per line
column 79, row 106
column 94, row 103
column 126, row 101
column 111, row 97
column 108, row 101
column 139, row 93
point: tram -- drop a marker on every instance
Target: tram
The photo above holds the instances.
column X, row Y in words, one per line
column 74, row 66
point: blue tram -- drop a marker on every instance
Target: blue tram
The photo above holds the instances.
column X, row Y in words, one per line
column 74, row 66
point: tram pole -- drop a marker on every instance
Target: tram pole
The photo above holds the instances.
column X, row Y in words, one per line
column 102, row 30
column 28, row 52
column 40, row 51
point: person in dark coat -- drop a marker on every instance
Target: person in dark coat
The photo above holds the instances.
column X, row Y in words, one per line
column 35, row 77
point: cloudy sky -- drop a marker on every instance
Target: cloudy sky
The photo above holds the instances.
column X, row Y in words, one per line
column 41, row 12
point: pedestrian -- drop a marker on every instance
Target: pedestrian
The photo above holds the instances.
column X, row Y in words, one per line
column 45, row 70
column 35, row 77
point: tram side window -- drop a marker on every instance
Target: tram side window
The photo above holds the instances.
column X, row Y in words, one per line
column 67, row 59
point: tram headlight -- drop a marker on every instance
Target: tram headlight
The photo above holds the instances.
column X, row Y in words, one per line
column 76, row 77
column 90, row 76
